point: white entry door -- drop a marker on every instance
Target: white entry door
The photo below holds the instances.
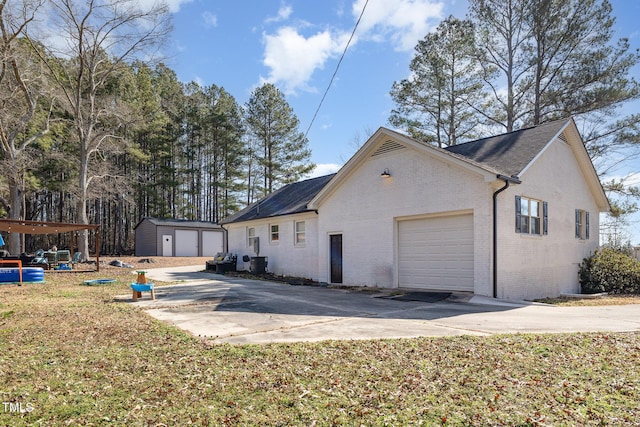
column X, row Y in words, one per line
column 167, row 245
column 186, row 242
column 436, row 253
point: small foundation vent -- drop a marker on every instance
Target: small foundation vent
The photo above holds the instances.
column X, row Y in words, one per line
column 387, row 147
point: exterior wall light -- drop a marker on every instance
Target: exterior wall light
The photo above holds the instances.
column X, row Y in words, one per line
column 385, row 173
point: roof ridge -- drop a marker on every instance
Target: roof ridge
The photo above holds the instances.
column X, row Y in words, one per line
column 310, row 179
column 505, row 134
column 510, row 152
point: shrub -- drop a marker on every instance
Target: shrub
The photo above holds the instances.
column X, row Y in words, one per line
column 610, row 270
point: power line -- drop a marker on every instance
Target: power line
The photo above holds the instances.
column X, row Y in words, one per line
column 337, row 67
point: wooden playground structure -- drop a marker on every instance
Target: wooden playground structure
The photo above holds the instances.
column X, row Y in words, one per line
column 41, row 227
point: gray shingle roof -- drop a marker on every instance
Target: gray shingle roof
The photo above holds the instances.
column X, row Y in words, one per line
column 511, row 152
column 290, row 199
column 170, row 222
column 507, row 154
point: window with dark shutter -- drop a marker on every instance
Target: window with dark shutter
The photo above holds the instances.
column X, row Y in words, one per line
column 518, row 216
column 586, row 226
column 582, row 224
column 531, row 216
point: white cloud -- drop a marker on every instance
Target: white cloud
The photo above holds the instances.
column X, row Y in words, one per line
column 404, row 22
column 199, row 81
column 174, row 5
column 283, row 14
column 210, row 20
column 292, row 58
column 324, row 169
column 50, row 27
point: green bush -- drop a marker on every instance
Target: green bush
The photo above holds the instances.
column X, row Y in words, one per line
column 610, row 270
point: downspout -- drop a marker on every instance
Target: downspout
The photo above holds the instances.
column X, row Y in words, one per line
column 507, row 180
column 226, row 238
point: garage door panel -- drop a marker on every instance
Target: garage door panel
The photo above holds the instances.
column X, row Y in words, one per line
column 436, row 253
column 212, row 243
column 186, row 242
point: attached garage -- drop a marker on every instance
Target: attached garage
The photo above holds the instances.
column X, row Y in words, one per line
column 436, row 253
column 171, row 237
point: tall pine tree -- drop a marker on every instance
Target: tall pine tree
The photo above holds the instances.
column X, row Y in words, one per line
column 279, row 148
column 439, row 102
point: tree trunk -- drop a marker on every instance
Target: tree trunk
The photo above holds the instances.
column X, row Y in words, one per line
column 13, row 245
column 83, row 241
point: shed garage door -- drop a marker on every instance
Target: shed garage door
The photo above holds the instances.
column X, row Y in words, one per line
column 212, row 243
column 186, row 242
column 436, row 253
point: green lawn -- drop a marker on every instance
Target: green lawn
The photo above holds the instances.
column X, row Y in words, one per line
column 593, row 301
column 72, row 355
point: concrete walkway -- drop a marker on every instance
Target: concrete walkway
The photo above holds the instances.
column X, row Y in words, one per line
column 236, row 310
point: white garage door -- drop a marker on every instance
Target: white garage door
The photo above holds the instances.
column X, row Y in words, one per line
column 436, row 253
column 212, row 243
column 186, row 242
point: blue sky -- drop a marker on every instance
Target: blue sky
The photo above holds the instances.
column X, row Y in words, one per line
column 297, row 44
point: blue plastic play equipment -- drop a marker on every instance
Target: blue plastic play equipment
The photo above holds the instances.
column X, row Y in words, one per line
column 99, row 282
column 29, row 274
column 141, row 285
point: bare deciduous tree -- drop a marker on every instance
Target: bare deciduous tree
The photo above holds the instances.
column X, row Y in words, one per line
column 94, row 41
column 20, row 97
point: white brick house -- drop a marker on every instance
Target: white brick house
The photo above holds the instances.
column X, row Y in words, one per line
column 404, row 214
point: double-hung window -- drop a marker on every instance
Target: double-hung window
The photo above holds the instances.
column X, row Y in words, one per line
column 300, row 233
column 274, row 233
column 531, row 216
column 582, row 224
column 251, row 236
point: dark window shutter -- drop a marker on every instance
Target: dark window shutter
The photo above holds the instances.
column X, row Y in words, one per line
column 518, row 216
column 545, row 218
column 577, row 223
column 586, row 230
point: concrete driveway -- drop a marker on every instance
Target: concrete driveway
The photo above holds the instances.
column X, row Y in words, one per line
column 235, row 310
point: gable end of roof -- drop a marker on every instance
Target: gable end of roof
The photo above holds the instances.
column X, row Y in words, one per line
column 388, row 146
